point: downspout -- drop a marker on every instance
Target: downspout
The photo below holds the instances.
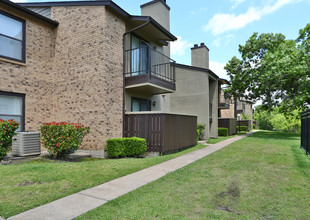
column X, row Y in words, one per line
column 124, row 60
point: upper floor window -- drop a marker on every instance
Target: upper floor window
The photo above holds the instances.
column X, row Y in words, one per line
column 12, row 37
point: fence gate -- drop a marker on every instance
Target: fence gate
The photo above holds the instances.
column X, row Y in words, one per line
column 305, row 131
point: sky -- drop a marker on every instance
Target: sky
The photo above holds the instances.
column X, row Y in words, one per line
column 223, row 25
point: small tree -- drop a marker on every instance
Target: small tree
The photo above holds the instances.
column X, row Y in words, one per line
column 201, row 127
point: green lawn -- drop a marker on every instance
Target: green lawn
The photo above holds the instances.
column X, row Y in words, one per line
column 28, row 185
column 219, row 139
column 264, row 176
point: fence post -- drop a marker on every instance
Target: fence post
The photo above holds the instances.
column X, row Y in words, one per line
column 305, row 131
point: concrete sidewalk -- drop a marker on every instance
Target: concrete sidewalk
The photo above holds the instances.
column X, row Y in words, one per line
column 77, row 204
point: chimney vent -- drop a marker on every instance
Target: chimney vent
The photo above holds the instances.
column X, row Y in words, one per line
column 195, row 45
column 202, row 44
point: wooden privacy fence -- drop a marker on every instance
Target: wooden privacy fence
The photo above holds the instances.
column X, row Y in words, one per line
column 305, row 131
column 247, row 123
column 163, row 132
column 230, row 123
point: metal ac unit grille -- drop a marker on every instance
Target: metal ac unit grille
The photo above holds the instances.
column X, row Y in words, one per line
column 26, row 144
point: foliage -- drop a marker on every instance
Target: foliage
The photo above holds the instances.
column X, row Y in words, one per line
column 201, row 127
column 62, row 138
column 223, row 132
column 7, row 131
column 276, row 120
column 254, row 126
column 272, row 69
column 125, row 147
column 242, row 128
column 245, row 116
column 263, row 118
column 198, row 134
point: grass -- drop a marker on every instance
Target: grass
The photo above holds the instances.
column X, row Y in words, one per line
column 28, row 185
column 263, row 176
column 219, row 139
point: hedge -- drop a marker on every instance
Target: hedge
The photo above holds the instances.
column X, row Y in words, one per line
column 223, row 131
column 7, row 131
column 242, row 128
column 125, row 147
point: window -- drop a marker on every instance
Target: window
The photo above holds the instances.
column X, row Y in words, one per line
column 12, row 106
column 140, row 105
column 12, row 37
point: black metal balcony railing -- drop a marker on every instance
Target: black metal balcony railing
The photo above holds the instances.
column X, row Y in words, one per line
column 146, row 60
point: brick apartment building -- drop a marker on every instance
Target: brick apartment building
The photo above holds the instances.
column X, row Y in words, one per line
column 91, row 62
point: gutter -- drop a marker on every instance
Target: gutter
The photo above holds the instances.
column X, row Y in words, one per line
column 124, row 41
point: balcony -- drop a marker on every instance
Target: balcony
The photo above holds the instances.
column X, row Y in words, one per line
column 240, row 108
column 148, row 71
column 224, row 103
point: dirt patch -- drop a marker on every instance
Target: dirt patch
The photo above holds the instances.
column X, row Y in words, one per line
column 228, row 199
column 233, row 191
column 29, row 183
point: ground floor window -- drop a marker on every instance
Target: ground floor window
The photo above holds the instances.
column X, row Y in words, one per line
column 12, row 106
column 140, row 105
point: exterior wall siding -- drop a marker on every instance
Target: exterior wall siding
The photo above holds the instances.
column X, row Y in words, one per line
column 192, row 96
column 33, row 78
column 89, row 71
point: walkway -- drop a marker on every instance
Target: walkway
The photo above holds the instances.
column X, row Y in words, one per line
column 77, row 204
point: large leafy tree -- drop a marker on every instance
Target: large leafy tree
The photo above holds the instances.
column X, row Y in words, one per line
column 274, row 70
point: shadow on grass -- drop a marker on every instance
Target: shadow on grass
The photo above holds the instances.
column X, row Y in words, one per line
column 302, row 160
column 275, row 135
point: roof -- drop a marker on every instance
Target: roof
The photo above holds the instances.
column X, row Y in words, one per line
column 29, row 12
column 196, row 68
column 110, row 4
column 224, row 81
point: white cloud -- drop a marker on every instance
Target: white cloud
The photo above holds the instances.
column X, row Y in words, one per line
column 198, row 11
column 218, row 42
column 236, row 3
column 218, row 69
column 179, row 47
column 221, row 23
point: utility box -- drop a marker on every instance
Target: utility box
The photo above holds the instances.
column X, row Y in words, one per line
column 26, row 144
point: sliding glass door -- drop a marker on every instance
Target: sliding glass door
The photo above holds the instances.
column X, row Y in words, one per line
column 139, row 56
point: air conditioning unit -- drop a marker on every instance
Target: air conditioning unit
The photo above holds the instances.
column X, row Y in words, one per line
column 26, row 144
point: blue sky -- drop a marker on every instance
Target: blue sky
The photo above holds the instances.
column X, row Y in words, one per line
column 224, row 24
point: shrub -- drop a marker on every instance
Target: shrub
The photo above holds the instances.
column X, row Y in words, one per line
column 201, row 127
column 223, row 131
column 242, row 128
column 254, row 126
column 61, row 139
column 125, row 147
column 7, row 131
column 198, row 134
